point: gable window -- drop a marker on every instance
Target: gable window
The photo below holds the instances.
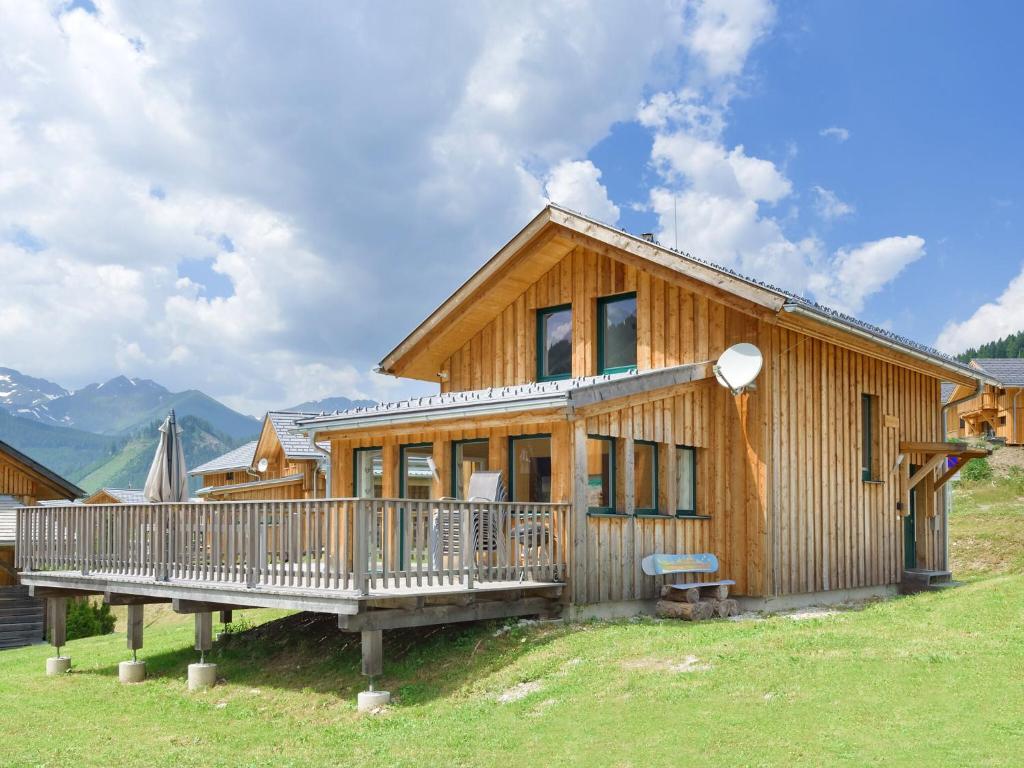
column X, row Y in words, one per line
column 530, row 468
column 600, row 474
column 686, row 481
column 645, row 477
column 554, row 343
column 468, row 456
column 616, row 333
column 869, row 450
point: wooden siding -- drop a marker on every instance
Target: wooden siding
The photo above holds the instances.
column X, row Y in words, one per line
column 672, row 324
column 779, row 468
column 15, row 482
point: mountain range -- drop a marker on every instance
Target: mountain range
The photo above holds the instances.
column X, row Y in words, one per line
column 104, row 435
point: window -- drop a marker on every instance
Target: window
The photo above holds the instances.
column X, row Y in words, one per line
column 230, row 476
column 468, row 456
column 616, row 333
column 368, row 471
column 1002, row 421
column 554, row 343
column 686, row 480
column 962, row 423
column 600, row 474
column 530, row 468
column 645, row 476
column 416, row 476
column 869, row 451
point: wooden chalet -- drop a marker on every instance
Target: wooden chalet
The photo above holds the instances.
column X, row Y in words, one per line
column 997, row 411
column 295, row 466
column 579, row 362
column 116, row 496
column 23, row 482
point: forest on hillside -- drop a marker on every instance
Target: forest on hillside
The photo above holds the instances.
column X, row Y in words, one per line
column 1008, row 346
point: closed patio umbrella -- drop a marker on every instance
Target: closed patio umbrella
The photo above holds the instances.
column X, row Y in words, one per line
column 167, row 480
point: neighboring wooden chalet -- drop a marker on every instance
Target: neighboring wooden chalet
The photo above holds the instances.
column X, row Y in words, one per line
column 579, row 362
column 295, row 466
column 116, row 496
column 23, row 481
column 997, row 412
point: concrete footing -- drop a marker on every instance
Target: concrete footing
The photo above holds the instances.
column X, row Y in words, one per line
column 58, row 665
column 368, row 701
column 131, row 671
column 201, row 676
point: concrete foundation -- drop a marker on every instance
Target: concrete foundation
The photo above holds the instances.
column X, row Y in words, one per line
column 201, row 676
column 131, row 671
column 368, row 701
column 58, row 665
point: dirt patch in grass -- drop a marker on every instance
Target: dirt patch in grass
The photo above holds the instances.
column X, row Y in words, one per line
column 675, row 666
column 519, row 691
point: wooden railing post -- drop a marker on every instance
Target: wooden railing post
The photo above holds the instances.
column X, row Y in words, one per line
column 359, row 546
column 84, row 539
column 251, row 542
column 468, row 545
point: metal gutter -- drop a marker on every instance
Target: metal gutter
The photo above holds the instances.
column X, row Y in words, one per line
column 822, row 317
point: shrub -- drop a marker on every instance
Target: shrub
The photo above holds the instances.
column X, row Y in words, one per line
column 87, row 618
column 1015, row 478
column 976, row 470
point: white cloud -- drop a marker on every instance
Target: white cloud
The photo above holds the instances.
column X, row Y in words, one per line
column 835, row 132
column 343, row 153
column 576, row 184
column 724, row 31
column 991, row 321
column 829, row 206
column 855, row 274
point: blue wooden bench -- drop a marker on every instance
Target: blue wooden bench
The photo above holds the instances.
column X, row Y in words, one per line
column 670, row 565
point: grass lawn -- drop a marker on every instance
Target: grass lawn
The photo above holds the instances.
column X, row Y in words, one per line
column 934, row 679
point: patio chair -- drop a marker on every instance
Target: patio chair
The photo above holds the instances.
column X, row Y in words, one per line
column 446, row 530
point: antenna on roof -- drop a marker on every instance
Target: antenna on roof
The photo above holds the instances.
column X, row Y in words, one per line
column 738, row 366
column 262, row 466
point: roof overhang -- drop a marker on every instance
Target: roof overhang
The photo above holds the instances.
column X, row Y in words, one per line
column 555, row 231
column 49, row 479
column 575, row 396
column 222, row 490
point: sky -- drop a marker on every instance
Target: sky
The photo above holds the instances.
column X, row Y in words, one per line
column 259, row 200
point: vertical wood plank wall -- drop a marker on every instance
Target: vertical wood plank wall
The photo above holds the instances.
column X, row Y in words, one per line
column 778, row 468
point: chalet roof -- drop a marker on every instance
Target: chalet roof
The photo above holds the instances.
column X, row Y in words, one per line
column 239, row 458
column 566, row 393
column 125, row 495
column 1008, row 370
column 70, row 490
column 268, row 483
column 577, row 227
column 294, row 443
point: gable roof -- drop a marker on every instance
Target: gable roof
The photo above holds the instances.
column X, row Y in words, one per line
column 239, row 458
column 1008, row 370
column 565, row 394
column 556, row 230
column 123, row 495
column 56, row 483
column 294, row 444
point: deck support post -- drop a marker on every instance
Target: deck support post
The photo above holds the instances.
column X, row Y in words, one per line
column 203, row 675
column 373, row 665
column 57, row 634
column 133, row 671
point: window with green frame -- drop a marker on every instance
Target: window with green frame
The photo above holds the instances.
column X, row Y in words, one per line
column 529, row 468
column 468, row 456
column 415, row 477
column 645, row 477
column 869, row 437
column 368, row 473
column 686, row 481
column 554, row 343
column 616, row 333
column 600, row 474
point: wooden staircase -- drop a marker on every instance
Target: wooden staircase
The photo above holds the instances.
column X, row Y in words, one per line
column 21, row 618
column 922, row 580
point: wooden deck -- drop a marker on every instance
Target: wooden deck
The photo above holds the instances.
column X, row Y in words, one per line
column 375, row 563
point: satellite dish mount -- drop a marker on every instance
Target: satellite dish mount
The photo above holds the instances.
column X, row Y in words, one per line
column 738, row 366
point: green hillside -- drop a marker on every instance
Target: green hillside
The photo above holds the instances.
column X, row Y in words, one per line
column 68, row 452
column 1008, row 346
column 129, row 466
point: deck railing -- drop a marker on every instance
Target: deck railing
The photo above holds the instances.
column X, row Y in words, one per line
column 329, row 544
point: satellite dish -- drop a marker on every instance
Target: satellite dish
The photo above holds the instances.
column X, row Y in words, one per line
column 738, row 366
column 262, row 466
